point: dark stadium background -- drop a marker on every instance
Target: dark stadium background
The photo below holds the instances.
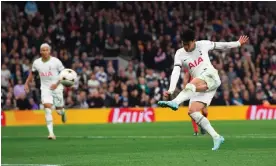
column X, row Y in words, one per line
column 248, row 74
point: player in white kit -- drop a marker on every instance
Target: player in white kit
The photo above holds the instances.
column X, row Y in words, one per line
column 49, row 68
column 202, row 88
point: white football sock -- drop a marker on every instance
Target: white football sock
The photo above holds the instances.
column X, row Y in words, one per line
column 185, row 94
column 61, row 111
column 49, row 120
column 204, row 123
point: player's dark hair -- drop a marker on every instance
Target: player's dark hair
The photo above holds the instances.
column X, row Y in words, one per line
column 188, row 36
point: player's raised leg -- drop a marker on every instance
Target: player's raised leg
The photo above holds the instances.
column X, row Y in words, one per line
column 62, row 113
column 59, row 104
column 191, row 89
column 194, row 113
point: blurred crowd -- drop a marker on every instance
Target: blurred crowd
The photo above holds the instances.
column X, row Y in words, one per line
column 147, row 34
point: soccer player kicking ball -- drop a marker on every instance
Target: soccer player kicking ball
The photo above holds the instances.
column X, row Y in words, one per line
column 48, row 68
column 202, row 88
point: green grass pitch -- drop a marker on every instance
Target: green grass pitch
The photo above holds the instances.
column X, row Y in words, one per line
column 247, row 143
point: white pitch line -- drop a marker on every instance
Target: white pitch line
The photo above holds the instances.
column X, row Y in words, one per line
column 29, row 165
column 253, row 136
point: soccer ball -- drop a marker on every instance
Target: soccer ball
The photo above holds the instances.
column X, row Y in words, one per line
column 68, row 77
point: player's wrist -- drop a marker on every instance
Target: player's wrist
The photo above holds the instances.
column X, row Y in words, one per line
column 239, row 43
column 170, row 91
column 58, row 83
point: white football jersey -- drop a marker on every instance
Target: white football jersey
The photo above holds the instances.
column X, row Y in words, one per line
column 197, row 60
column 48, row 72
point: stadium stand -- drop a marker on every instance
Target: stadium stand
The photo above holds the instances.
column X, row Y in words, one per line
column 147, row 34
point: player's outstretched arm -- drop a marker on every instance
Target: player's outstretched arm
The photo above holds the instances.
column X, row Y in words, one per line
column 175, row 74
column 29, row 79
column 174, row 79
column 227, row 45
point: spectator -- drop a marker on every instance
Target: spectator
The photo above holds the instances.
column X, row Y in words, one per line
column 70, row 103
column 236, row 100
column 101, row 75
column 22, row 102
column 82, row 101
column 5, row 77
column 80, row 34
column 134, row 99
column 273, row 100
column 31, row 8
column 131, row 85
column 19, row 89
column 111, row 48
column 156, row 91
column 130, row 73
column 226, row 98
column 258, row 100
column 145, row 100
column 118, row 102
column 151, row 77
column 127, row 50
column 111, row 73
column 143, row 86
column 125, row 103
column 95, row 100
column 34, row 106
column 153, row 103
column 163, row 80
column 93, row 83
column 231, row 74
column 98, row 61
column 246, row 98
column 108, row 100
column 8, row 105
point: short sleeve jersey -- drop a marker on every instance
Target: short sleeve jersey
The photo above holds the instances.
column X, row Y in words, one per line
column 48, row 72
column 197, row 60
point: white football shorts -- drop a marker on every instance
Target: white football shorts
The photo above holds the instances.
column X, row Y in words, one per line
column 211, row 78
column 52, row 97
column 204, row 97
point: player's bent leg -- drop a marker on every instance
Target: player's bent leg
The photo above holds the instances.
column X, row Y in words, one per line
column 59, row 104
column 194, row 112
column 185, row 94
column 209, row 80
column 62, row 113
column 49, row 120
column 201, row 85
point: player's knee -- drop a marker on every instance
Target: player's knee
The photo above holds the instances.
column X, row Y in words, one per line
column 48, row 111
column 47, row 105
column 193, row 109
column 191, row 87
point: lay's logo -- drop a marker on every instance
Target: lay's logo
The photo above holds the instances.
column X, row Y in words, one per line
column 131, row 115
column 261, row 113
